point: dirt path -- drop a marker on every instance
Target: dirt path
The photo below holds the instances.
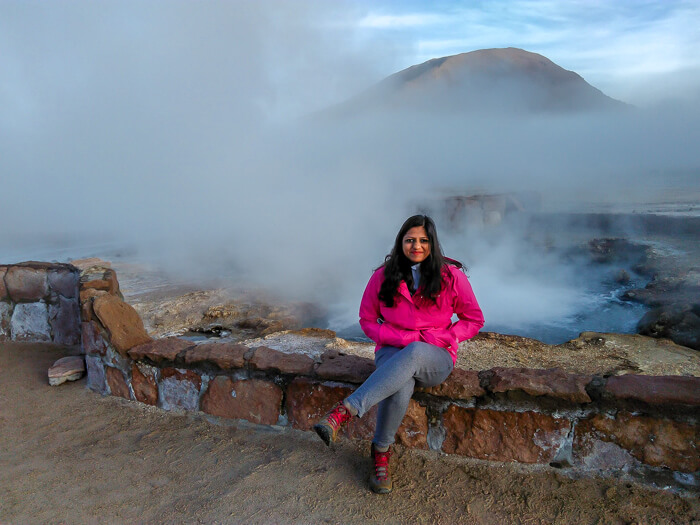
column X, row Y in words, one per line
column 69, row 455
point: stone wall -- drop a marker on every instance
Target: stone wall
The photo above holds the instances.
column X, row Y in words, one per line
column 526, row 415
column 39, row 302
column 500, row 414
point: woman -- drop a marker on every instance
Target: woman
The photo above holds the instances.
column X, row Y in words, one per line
column 407, row 310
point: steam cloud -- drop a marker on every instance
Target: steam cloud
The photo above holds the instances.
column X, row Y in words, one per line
column 188, row 130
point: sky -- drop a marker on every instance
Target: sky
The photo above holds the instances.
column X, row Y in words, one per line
column 639, row 51
column 181, row 127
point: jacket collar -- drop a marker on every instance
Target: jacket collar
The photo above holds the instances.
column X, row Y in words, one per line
column 403, row 290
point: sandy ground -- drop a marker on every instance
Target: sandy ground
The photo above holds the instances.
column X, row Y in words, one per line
column 68, row 455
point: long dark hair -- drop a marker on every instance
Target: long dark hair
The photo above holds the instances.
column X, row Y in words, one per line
column 397, row 267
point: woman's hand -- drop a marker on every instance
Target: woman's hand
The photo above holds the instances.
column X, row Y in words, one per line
column 442, row 337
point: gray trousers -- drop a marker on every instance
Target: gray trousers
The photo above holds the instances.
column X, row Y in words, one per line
column 391, row 385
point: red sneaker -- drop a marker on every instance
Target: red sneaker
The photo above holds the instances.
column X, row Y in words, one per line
column 328, row 427
column 380, row 480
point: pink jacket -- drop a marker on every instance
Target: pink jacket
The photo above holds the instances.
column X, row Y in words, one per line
column 418, row 319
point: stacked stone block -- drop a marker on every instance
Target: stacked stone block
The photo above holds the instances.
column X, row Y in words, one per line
column 501, row 414
column 39, row 302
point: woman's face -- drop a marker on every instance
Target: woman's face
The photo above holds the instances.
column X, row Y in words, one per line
column 416, row 245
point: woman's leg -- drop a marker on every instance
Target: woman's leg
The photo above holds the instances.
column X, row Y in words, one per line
column 398, row 370
column 392, row 408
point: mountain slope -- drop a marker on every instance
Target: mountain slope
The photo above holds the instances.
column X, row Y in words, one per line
column 505, row 80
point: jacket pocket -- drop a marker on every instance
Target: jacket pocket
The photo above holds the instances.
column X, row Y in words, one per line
column 391, row 336
column 442, row 337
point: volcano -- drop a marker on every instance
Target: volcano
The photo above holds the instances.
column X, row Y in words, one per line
column 507, row 80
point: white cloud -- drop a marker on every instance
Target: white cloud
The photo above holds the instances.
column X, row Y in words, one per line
column 377, row 21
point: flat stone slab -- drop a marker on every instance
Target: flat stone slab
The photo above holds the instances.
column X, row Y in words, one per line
column 250, row 399
column 226, row 356
column 535, row 382
column 312, row 343
column 460, row 384
column 341, row 367
column 25, row 283
column 160, row 350
column 69, row 368
column 268, row 359
column 656, row 390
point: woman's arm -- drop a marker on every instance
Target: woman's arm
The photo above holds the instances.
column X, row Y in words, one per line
column 471, row 319
column 372, row 321
column 370, row 315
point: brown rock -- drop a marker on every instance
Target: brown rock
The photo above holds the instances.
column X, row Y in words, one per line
column 3, row 288
column 315, row 332
column 69, row 368
column 64, row 282
column 182, row 375
column 308, row 401
column 527, row 437
column 553, row 383
column 96, row 284
column 254, row 400
column 123, row 324
column 179, row 389
column 116, row 382
column 656, row 390
column 90, row 293
column 341, row 367
column 268, row 359
column 460, row 384
column 111, row 277
column 26, row 284
column 360, row 427
column 144, row 385
column 413, row 431
column 91, row 339
column 86, row 299
column 224, row 355
column 656, row 442
column 159, row 350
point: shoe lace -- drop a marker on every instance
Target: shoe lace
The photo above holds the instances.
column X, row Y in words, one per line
column 381, row 464
column 338, row 416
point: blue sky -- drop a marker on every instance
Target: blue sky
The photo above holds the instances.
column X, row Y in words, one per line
column 641, row 51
